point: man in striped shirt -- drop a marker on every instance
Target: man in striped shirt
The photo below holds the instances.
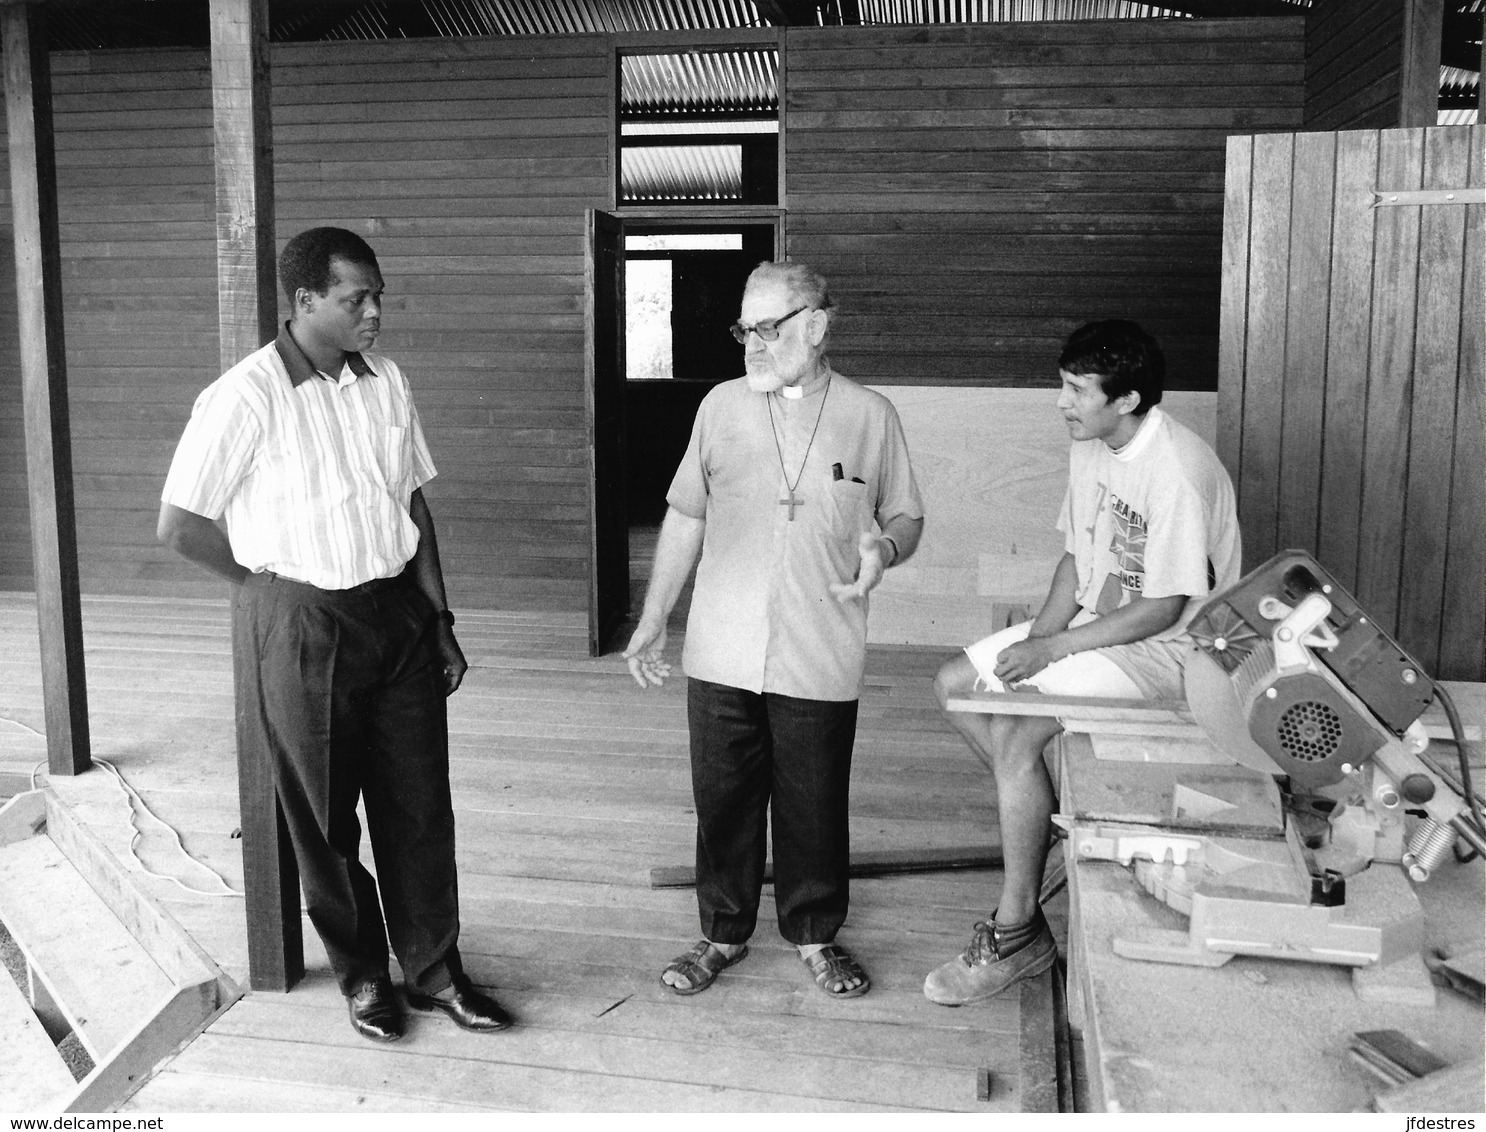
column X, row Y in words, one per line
column 311, row 451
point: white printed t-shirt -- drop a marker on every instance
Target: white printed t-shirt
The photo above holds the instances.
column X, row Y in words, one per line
column 1156, row 518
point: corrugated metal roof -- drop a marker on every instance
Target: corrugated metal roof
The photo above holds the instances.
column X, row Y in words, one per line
column 694, row 173
column 712, row 83
column 671, row 88
column 96, row 24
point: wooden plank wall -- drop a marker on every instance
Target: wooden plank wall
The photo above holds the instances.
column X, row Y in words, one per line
column 1351, row 407
column 1353, row 64
column 976, row 192
column 468, row 172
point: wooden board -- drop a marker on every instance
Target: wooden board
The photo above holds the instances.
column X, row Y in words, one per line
column 1353, row 65
column 1354, row 416
column 1256, row 1035
column 569, row 784
column 96, row 972
column 35, row 1074
column 1181, row 795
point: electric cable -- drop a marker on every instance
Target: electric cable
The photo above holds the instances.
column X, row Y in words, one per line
column 1458, row 728
column 132, row 796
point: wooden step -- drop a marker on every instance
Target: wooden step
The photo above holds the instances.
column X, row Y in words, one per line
column 34, row 1072
column 100, row 978
column 104, row 962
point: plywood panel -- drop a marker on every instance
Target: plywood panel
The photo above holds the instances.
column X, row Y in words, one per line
column 1376, row 463
column 1463, row 616
column 1348, row 344
column 1390, row 380
column 1436, row 367
column 1264, row 374
column 1233, row 328
column 1304, row 396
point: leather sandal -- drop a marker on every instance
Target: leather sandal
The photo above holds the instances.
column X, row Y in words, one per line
column 699, row 967
column 833, row 967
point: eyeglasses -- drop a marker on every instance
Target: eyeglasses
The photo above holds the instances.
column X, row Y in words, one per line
column 767, row 329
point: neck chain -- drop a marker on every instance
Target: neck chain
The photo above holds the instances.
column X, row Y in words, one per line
column 792, row 500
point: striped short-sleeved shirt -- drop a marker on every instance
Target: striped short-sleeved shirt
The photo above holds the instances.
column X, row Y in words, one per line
column 313, row 474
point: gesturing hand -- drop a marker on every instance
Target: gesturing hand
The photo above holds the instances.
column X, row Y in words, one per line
column 870, row 571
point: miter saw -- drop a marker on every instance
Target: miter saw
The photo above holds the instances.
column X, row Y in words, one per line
column 1291, row 678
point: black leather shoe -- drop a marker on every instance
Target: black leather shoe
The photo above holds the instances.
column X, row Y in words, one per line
column 374, row 1011
column 470, row 1009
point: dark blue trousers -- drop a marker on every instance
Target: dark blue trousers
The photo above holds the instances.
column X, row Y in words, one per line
column 341, row 690
column 756, row 757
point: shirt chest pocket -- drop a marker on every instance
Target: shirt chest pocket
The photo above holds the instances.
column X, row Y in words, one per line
column 394, row 455
column 850, row 509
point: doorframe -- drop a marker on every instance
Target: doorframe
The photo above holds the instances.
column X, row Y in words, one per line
column 681, row 218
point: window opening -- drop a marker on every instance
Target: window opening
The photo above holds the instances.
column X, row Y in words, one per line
column 699, row 128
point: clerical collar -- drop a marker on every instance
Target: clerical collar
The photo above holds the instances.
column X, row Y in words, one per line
column 804, row 389
column 299, row 366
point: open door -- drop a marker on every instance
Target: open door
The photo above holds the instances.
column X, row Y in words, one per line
column 608, row 577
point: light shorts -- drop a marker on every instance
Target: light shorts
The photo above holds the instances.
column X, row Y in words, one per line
column 1149, row 670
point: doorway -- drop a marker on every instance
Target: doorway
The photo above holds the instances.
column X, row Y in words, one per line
column 664, row 291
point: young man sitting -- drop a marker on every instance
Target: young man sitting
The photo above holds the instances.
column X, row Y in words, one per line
column 1150, row 529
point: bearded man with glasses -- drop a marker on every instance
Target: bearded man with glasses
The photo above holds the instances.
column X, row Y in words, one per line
column 797, row 493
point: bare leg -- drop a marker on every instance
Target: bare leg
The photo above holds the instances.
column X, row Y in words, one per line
column 1011, row 748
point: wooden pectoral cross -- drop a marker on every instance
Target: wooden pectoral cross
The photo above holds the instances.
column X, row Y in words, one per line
column 792, row 502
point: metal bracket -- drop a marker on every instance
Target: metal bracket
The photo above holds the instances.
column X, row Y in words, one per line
column 1428, row 196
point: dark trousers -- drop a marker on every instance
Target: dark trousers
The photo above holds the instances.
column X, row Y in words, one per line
column 341, row 693
column 756, row 756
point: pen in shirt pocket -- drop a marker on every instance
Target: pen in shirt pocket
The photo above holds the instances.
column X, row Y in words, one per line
column 837, row 473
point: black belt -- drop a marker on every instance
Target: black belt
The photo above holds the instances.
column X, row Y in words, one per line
column 365, row 589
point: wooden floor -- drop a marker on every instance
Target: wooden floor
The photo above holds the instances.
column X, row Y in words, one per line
column 570, row 784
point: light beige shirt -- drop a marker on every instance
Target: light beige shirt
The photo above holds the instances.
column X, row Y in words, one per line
column 762, row 614
column 313, row 474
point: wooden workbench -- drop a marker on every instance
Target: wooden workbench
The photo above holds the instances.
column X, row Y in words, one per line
column 1254, row 1034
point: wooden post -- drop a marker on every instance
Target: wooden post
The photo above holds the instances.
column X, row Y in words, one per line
column 1419, row 74
column 248, row 319
column 38, row 269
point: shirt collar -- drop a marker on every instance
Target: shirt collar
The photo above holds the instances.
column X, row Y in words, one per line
column 301, row 369
column 1142, row 438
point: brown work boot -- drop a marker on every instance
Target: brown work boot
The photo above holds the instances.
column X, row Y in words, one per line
column 985, row 968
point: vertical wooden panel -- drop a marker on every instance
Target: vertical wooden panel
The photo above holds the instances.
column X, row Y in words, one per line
column 1304, row 417
column 1233, row 327
column 1463, row 620
column 243, row 147
column 1264, row 375
column 1349, row 340
column 1390, row 381
column 33, row 183
column 247, row 316
column 1419, row 65
column 1432, row 420
column 1397, row 309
